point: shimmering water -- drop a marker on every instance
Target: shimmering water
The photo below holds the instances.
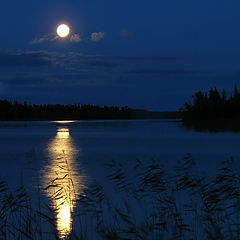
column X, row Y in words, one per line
column 61, row 180
column 61, row 157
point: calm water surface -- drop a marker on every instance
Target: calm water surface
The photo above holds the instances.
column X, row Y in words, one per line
column 59, row 156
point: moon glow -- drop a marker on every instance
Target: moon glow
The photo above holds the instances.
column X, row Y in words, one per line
column 63, row 30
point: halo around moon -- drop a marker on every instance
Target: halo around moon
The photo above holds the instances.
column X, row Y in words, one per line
column 63, row 30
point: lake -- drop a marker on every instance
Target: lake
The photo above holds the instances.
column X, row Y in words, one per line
column 23, row 145
column 43, row 153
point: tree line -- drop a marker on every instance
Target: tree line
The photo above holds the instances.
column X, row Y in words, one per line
column 16, row 111
column 213, row 105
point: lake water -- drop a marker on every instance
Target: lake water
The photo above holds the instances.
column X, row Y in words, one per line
column 41, row 153
column 23, row 145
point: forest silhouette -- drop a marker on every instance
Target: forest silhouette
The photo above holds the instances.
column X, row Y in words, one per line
column 16, row 111
column 213, row 110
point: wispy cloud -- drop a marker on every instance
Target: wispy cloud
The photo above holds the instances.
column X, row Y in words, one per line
column 44, row 39
column 105, row 64
column 168, row 72
column 97, row 36
column 75, row 60
column 75, row 38
column 24, row 58
column 126, row 33
column 38, row 40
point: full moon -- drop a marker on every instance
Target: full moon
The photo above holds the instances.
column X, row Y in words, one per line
column 63, row 30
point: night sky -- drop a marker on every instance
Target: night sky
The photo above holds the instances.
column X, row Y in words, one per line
column 144, row 54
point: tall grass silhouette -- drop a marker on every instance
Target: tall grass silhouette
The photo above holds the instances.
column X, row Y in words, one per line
column 144, row 202
column 62, row 182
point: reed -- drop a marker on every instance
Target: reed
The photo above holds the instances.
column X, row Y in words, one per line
column 145, row 203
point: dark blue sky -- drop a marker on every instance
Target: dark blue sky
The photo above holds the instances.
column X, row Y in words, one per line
column 146, row 54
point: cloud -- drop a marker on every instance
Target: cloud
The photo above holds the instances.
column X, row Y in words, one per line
column 26, row 58
column 125, row 33
column 74, row 61
column 106, row 64
column 64, row 73
column 38, row 40
column 23, row 81
column 44, row 39
column 167, row 72
column 164, row 59
column 75, row 38
column 97, row 36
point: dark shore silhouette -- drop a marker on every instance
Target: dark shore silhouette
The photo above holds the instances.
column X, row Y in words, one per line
column 213, row 111
column 16, row 111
